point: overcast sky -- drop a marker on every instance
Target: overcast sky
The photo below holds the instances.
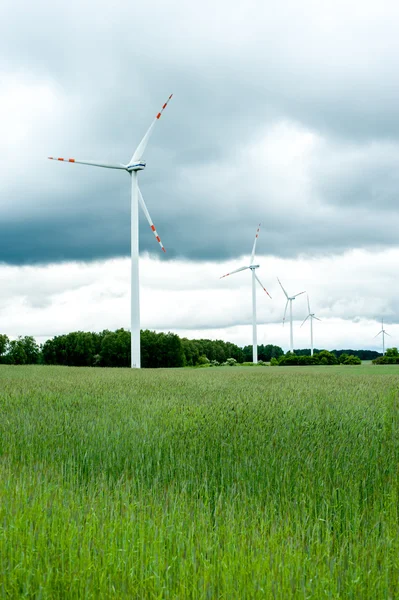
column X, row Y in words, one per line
column 284, row 113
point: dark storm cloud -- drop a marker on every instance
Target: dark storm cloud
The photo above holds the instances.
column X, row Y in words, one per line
column 236, row 77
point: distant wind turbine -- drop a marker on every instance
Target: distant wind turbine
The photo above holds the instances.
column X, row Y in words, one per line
column 384, row 333
column 135, row 165
column 289, row 300
column 312, row 316
column 254, row 276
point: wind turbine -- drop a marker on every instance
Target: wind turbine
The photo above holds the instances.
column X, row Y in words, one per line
column 384, row 333
column 135, row 165
column 252, row 267
column 289, row 300
column 312, row 316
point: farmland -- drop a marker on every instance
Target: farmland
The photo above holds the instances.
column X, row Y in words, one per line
column 199, row 483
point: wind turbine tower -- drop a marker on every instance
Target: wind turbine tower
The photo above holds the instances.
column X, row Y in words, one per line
column 253, row 267
column 384, row 333
column 289, row 301
column 133, row 167
column 311, row 316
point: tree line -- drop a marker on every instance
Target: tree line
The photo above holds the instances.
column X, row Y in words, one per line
column 362, row 354
column 322, row 357
column 112, row 349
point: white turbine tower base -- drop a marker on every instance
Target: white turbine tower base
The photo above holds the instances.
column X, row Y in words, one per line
column 384, row 333
column 252, row 267
column 289, row 301
column 311, row 316
column 135, row 165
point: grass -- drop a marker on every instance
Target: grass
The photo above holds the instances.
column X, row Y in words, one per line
column 203, row 483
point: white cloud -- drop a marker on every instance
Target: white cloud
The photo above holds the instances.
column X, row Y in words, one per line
column 350, row 293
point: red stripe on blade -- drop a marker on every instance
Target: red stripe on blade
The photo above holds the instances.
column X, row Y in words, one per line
column 152, row 227
column 158, row 115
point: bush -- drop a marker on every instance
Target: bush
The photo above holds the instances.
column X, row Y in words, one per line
column 330, row 358
column 351, row 360
column 386, row 360
column 203, row 360
column 274, row 362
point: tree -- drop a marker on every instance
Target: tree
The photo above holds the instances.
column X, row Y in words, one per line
column 16, row 354
column 4, row 341
column 31, row 348
column 392, row 352
column 115, row 349
column 191, row 353
column 266, row 353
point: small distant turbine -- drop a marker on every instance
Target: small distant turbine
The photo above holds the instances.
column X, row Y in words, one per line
column 312, row 316
column 289, row 300
column 254, row 276
column 384, row 333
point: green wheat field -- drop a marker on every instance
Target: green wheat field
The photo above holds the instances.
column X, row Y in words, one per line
column 226, row 483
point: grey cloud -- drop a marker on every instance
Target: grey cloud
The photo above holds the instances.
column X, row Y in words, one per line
column 234, row 76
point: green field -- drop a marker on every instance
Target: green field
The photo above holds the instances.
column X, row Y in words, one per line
column 199, row 483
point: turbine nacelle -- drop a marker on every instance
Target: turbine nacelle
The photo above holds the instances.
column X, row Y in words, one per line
column 136, row 166
column 254, row 267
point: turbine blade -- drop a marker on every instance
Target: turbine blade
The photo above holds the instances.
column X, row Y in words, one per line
column 282, row 288
column 285, row 312
column 236, row 271
column 308, row 302
column 261, row 285
column 386, row 333
column 299, row 294
column 147, row 214
column 377, row 334
column 138, row 153
column 317, row 318
column 254, row 246
column 305, row 320
column 91, row 163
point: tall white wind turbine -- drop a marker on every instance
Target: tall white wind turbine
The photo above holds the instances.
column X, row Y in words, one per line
column 135, row 165
column 289, row 300
column 311, row 316
column 252, row 267
column 384, row 333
